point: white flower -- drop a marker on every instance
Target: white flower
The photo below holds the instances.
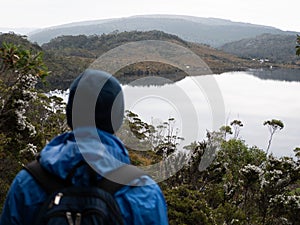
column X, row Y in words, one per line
column 30, row 148
column 21, row 119
column 29, row 95
column 286, row 200
column 251, row 168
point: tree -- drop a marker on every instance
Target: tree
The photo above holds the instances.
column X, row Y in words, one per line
column 14, row 59
column 163, row 139
column 297, row 153
column 20, row 70
column 225, row 130
column 298, row 46
column 236, row 124
column 27, row 118
column 273, row 125
column 277, row 202
column 188, row 206
column 167, row 137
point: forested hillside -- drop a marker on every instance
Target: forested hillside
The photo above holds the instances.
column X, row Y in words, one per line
column 62, row 69
column 91, row 47
column 67, row 56
column 276, row 48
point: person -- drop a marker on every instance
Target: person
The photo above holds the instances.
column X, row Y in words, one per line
column 95, row 105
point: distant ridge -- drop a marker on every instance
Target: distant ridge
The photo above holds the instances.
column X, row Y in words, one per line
column 20, row 30
column 273, row 47
column 210, row 31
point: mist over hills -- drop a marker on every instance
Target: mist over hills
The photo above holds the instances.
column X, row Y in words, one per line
column 210, row 31
column 242, row 39
column 19, row 30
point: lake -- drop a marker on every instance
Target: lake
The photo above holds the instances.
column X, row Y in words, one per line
column 207, row 102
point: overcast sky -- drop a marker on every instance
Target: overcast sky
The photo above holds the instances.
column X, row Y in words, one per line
column 45, row 13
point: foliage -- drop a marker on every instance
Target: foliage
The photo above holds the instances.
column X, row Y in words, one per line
column 67, row 56
column 138, row 135
column 242, row 185
column 85, row 49
column 27, row 117
column 226, row 130
column 219, row 180
column 21, row 69
column 273, row 126
column 298, row 46
column 274, row 47
column 24, row 61
column 187, row 206
column 236, row 124
column 297, row 152
column 95, row 45
column 19, row 40
column 63, row 68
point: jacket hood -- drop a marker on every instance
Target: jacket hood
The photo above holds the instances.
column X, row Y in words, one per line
column 101, row 150
column 95, row 99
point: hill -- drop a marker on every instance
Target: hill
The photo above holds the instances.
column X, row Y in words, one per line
column 62, row 68
column 89, row 48
column 67, row 56
column 209, row 31
column 276, row 48
column 18, row 40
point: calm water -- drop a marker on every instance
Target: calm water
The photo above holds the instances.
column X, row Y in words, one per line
column 207, row 102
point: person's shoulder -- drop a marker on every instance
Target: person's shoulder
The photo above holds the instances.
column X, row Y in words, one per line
column 25, row 185
column 143, row 202
column 23, row 178
column 143, row 187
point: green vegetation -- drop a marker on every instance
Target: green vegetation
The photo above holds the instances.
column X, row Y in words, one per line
column 62, row 69
column 89, row 48
column 273, row 126
column 274, row 48
column 242, row 186
column 218, row 180
column 298, row 46
column 67, row 56
column 28, row 118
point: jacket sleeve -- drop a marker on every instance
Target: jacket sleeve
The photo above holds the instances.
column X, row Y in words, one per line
column 22, row 202
column 144, row 204
column 11, row 210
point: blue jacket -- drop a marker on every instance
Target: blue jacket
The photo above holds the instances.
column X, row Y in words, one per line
column 139, row 205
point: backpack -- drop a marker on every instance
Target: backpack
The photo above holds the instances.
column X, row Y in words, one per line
column 72, row 205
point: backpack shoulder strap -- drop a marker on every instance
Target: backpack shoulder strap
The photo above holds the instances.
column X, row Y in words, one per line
column 49, row 182
column 120, row 177
column 112, row 182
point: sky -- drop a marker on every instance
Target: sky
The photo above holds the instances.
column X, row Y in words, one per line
column 284, row 15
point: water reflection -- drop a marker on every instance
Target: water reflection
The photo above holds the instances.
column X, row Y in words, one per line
column 252, row 97
column 254, row 100
column 277, row 74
